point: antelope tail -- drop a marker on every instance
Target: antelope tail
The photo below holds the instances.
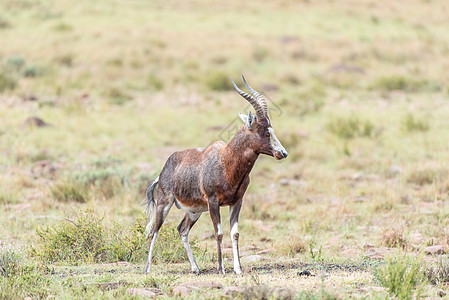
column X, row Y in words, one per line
column 150, row 205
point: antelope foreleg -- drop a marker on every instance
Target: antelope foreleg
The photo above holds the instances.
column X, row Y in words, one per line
column 214, row 210
column 234, row 218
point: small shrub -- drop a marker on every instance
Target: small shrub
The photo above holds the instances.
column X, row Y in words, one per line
column 260, row 54
column 129, row 244
column 394, row 238
column 105, row 182
column 4, row 23
column 402, row 276
column 117, row 96
column 7, row 80
column 62, row 27
column 10, row 260
column 70, row 190
column 169, row 248
column 155, row 83
column 218, row 81
column 403, row 83
column 15, row 63
column 438, row 273
column 349, row 128
column 292, row 247
column 8, row 196
column 88, row 239
column 411, row 124
column 80, row 240
column 32, row 71
column 65, row 60
column 426, row 175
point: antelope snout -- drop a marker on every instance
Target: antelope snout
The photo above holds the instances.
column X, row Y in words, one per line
column 284, row 153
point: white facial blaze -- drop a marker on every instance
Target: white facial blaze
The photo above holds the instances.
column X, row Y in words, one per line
column 275, row 144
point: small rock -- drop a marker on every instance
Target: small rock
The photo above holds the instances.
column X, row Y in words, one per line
column 304, row 273
column 187, row 287
column 435, row 250
column 21, row 207
column 35, row 121
column 351, row 252
column 182, row 291
column 270, row 250
column 417, row 238
column 144, row 292
column 377, row 253
column 252, row 258
column 360, row 199
column 206, row 235
column 394, row 171
column 109, row 285
column 368, row 246
column 373, row 289
column 232, row 291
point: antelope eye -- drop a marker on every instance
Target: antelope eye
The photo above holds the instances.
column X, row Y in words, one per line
column 267, row 134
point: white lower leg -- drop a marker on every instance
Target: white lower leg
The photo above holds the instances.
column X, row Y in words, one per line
column 235, row 247
column 219, row 241
column 185, row 241
column 150, row 253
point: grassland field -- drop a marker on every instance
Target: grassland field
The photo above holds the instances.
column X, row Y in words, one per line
column 359, row 97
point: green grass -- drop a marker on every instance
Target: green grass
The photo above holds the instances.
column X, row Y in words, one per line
column 403, row 276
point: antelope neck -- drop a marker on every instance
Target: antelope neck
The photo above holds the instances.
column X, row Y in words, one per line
column 238, row 158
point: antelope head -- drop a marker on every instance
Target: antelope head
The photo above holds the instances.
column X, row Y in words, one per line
column 260, row 134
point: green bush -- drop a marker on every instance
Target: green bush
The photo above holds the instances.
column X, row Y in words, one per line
column 403, row 276
column 352, row 127
column 411, row 123
column 88, row 239
column 80, row 240
column 116, row 95
column 218, row 81
column 8, row 196
column 129, row 244
column 403, row 83
column 7, row 80
column 70, row 190
column 105, row 182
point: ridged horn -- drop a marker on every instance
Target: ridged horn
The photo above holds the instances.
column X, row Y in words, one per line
column 259, row 97
column 253, row 101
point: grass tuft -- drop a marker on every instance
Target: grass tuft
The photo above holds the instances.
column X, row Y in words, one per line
column 403, row 83
column 394, row 238
column 352, row 127
column 403, row 276
column 438, row 273
column 411, row 123
column 70, row 190
column 218, row 81
column 10, row 260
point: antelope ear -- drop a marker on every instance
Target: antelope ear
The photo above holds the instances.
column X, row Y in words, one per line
column 248, row 120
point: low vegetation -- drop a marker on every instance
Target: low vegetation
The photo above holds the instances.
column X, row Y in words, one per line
column 402, row 275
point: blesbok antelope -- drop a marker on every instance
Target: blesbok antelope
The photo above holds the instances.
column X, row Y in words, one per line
column 199, row 180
